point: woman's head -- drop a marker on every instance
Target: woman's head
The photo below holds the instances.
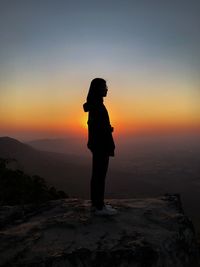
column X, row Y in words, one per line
column 98, row 89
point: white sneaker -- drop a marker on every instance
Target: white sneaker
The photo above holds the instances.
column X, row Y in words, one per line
column 108, row 206
column 107, row 210
column 93, row 208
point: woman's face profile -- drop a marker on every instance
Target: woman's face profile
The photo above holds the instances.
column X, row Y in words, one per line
column 104, row 90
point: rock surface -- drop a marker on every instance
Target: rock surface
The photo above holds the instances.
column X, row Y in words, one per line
column 64, row 233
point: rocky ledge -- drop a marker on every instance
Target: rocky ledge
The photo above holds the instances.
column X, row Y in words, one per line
column 146, row 232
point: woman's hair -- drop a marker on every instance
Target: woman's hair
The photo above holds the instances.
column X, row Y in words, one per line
column 94, row 93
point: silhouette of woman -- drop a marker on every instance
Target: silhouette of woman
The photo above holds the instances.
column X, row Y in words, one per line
column 100, row 143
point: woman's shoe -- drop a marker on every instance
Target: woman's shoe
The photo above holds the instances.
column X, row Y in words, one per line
column 107, row 210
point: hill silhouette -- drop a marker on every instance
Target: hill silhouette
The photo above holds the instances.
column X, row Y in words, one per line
column 16, row 187
column 65, row 171
column 11, row 146
column 58, row 169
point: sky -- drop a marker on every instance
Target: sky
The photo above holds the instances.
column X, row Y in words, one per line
column 147, row 51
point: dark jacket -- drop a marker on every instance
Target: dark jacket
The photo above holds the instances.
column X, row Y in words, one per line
column 100, row 138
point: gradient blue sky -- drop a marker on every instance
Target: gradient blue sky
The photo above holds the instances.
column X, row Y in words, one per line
column 148, row 51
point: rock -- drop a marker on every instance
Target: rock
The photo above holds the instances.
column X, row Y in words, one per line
column 146, row 232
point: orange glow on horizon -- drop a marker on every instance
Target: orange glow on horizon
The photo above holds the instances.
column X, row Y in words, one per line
column 73, row 121
column 79, row 127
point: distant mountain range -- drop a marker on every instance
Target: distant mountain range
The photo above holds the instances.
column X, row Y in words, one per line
column 64, row 171
column 67, row 171
column 70, row 172
column 146, row 169
column 10, row 146
column 70, row 146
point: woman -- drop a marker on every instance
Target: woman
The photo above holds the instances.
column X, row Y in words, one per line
column 100, row 143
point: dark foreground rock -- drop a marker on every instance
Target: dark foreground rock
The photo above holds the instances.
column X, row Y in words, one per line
column 63, row 233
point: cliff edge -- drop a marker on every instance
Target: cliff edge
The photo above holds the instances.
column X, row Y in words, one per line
column 63, row 233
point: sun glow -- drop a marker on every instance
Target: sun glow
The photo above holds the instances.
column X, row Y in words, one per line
column 83, row 121
column 129, row 115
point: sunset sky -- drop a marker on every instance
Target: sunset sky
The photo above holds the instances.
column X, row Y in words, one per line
column 50, row 50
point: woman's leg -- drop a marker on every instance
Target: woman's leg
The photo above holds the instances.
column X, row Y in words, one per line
column 99, row 170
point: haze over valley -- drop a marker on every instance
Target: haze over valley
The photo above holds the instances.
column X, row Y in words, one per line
column 142, row 167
